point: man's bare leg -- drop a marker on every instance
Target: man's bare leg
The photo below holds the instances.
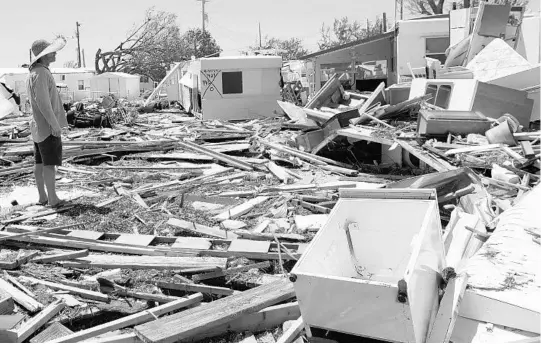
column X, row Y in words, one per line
column 49, row 175
column 38, row 174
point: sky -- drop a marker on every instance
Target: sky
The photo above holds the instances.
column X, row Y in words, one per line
column 233, row 23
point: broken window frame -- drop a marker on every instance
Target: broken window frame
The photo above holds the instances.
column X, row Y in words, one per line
column 440, row 56
column 437, row 99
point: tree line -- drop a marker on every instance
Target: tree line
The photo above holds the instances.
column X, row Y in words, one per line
column 156, row 43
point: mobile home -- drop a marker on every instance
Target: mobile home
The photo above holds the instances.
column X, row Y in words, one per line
column 229, row 88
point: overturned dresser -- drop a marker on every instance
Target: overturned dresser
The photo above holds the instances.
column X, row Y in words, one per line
column 372, row 270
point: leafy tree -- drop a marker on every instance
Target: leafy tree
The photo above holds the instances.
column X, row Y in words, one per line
column 195, row 42
column 149, row 49
column 289, row 49
column 343, row 31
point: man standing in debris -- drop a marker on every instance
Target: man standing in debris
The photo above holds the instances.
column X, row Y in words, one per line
column 48, row 120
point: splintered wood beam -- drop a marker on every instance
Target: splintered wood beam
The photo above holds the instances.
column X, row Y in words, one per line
column 91, row 295
column 146, row 262
column 444, row 323
column 201, row 229
column 131, row 320
column 218, row 156
column 293, row 332
column 28, row 328
column 263, row 320
column 190, row 287
column 198, row 320
column 60, row 256
column 20, row 297
column 229, row 272
column 241, row 209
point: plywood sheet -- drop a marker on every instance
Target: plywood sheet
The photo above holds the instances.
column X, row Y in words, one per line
column 54, row 331
column 241, row 245
column 92, row 235
column 134, row 239
column 192, row 243
column 506, row 269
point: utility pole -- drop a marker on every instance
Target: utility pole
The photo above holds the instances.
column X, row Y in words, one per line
column 203, row 14
column 401, row 9
column 78, row 46
column 260, row 45
column 84, row 61
column 384, row 22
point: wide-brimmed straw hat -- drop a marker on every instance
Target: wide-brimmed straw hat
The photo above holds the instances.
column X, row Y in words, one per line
column 41, row 47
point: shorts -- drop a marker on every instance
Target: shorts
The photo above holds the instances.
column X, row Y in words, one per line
column 49, row 151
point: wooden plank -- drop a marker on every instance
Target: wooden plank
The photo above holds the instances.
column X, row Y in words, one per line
column 263, row 320
column 20, row 297
column 244, row 234
column 61, row 256
column 315, row 159
column 18, row 285
column 219, row 156
column 436, row 163
column 38, row 214
column 193, row 243
column 63, row 242
column 36, row 231
column 9, row 322
column 293, row 332
column 50, row 334
column 241, row 245
column 92, row 295
column 241, row 209
column 444, row 323
column 367, row 104
column 229, row 272
column 279, row 172
column 132, row 320
column 157, row 168
column 18, row 262
column 201, row 229
column 146, row 262
column 134, row 239
column 200, row 319
column 6, row 305
column 469, row 149
column 324, row 92
column 121, row 338
column 189, row 287
column 92, row 235
column 28, row 328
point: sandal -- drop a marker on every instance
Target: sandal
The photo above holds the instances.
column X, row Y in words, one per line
column 62, row 203
column 43, row 203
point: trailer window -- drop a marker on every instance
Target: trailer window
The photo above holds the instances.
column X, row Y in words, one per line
column 232, row 82
column 435, row 47
column 441, row 94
